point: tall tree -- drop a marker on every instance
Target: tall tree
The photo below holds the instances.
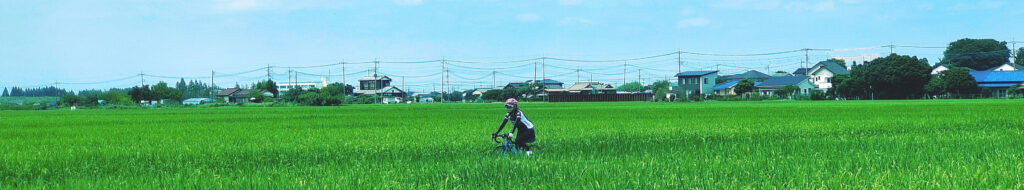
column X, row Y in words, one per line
column 897, row 76
column 744, row 86
column 935, row 87
column 977, row 54
column 959, row 81
column 632, row 87
column 5, row 92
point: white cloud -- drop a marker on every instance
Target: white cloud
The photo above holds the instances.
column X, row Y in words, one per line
column 527, row 17
column 409, row 2
column 692, row 22
column 570, row 20
column 570, row 2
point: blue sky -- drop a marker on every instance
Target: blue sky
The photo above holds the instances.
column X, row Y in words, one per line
column 85, row 41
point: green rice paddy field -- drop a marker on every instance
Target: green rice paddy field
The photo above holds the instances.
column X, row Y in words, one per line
column 626, row 145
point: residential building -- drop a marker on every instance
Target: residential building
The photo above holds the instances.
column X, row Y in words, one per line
column 800, row 72
column 697, row 82
column 379, row 85
column 548, row 84
column 285, row 86
column 998, row 81
column 728, row 88
column 781, row 74
column 821, row 74
column 768, row 87
column 1007, row 67
column 752, row 74
column 237, row 95
column 586, row 88
column 938, row 68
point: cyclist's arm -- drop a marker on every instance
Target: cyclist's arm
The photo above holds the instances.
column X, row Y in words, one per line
column 503, row 125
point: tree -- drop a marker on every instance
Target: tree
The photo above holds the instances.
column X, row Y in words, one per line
column 140, row 93
column 1019, row 59
column 161, row 91
column 839, row 61
column 1014, row 90
column 632, row 87
column 786, row 91
column 744, row 86
column 896, row 76
column 977, row 54
column 267, row 85
column 958, row 81
column 5, row 93
column 935, row 87
column 660, row 89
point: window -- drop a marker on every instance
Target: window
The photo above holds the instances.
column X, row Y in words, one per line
column 705, row 80
column 828, row 79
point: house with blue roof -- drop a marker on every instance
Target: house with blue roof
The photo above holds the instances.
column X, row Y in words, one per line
column 769, row 86
column 696, row 82
column 999, row 81
column 728, row 88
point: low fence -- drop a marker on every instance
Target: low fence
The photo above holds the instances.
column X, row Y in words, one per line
column 566, row 97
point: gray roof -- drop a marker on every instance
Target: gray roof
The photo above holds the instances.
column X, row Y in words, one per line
column 831, row 66
column 782, row 81
column 375, row 77
column 695, row 73
column 752, row 74
column 547, row 81
column 800, row 71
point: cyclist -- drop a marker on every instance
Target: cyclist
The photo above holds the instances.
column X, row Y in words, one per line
column 520, row 123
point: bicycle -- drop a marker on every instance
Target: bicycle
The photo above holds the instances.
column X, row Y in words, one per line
column 508, row 146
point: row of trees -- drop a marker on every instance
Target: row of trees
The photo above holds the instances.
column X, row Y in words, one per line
column 35, row 92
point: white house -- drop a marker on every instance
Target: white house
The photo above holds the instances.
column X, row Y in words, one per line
column 938, row 68
column 821, row 74
column 769, row 86
column 1007, row 67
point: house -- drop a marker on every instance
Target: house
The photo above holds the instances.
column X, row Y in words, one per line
column 237, row 95
column 1007, row 67
column 728, row 88
column 938, row 68
column 821, row 74
column 425, row 97
column 800, row 72
column 586, row 88
column 697, row 82
column 196, row 101
column 548, row 84
column 379, row 85
column 285, row 86
column 768, row 87
column 478, row 91
column 752, row 74
column 781, row 74
column 998, row 81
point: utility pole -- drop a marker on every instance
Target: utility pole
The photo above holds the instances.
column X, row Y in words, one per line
column 494, row 79
column 543, row 68
column 344, row 87
column 577, row 73
column 638, row 79
column 442, row 80
column 624, row 72
column 679, row 60
column 718, row 67
column 142, row 79
column 212, row 88
column 534, row 71
column 268, row 72
column 807, row 60
column 892, row 48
